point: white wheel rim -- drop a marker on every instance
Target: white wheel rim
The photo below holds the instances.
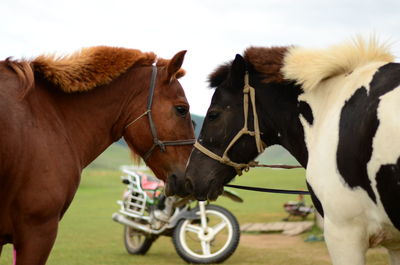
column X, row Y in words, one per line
column 134, row 238
column 206, row 247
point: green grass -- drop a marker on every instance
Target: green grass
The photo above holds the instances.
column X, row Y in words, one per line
column 115, row 155
column 262, row 207
column 88, row 236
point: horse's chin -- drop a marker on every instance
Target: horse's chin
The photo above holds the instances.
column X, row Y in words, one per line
column 172, row 188
column 168, row 190
column 213, row 194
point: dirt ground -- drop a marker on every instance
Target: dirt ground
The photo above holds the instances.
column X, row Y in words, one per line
column 272, row 241
column 295, row 248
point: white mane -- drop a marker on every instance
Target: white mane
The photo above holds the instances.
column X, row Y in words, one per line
column 308, row 67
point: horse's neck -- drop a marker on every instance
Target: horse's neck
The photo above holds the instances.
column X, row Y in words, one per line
column 93, row 120
column 281, row 119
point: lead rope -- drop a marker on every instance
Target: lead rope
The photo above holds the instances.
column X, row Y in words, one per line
column 239, row 167
column 280, row 191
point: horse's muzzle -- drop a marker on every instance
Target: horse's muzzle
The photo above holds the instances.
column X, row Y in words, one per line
column 201, row 192
column 175, row 186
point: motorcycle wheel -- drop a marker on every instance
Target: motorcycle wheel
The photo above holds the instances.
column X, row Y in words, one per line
column 137, row 243
column 213, row 246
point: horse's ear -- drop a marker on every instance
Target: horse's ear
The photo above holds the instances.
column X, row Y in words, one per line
column 174, row 65
column 238, row 69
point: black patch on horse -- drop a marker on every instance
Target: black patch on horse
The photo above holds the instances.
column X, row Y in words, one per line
column 279, row 112
column 306, row 112
column 358, row 125
column 315, row 200
column 388, row 185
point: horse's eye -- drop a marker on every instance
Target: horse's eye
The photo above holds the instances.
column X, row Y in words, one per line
column 181, row 110
column 212, row 115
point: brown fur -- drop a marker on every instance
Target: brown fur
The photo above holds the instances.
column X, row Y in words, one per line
column 178, row 74
column 47, row 138
column 268, row 61
column 24, row 73
column 91, row 67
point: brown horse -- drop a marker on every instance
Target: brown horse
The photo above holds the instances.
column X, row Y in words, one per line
column 58, row 114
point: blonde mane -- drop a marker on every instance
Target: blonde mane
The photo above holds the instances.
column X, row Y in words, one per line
column 308, row 67
column 89, row 67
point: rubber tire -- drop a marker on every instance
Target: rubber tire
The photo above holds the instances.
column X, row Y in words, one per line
column 143, row 248
column 220, row 257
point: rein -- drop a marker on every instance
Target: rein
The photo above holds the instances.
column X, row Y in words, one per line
column 268, row 190
column 248, row 92
column 153, row 129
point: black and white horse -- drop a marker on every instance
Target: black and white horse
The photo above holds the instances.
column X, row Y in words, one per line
column 337, row 110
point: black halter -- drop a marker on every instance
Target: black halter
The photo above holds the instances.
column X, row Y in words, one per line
column 156, row 141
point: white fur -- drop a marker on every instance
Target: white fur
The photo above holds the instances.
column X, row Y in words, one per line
column 309, row 67
column 353, row 222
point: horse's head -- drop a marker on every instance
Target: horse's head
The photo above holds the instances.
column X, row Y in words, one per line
column 206, row 174
column 161, row 132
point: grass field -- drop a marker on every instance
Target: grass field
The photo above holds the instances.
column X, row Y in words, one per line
column 88, row 236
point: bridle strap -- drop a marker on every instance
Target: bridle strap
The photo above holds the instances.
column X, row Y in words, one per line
column 138, row 118
column 153, row 129
column 259, row 143
column 248, row 91
column 166, row 143
column 239, row 167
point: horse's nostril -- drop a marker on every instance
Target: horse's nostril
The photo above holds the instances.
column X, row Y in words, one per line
column 172, row 180
column 189, row 186
column 170, row 187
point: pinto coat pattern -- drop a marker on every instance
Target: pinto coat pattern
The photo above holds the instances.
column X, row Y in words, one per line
column 352, row 144
column 337, row 111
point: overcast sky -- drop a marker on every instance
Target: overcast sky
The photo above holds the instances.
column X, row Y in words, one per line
column 212, row 31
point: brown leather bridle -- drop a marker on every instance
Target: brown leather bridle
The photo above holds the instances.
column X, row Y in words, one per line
column 156, row 141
